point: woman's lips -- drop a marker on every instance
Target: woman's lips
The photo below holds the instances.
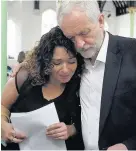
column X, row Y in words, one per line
column 64, row 77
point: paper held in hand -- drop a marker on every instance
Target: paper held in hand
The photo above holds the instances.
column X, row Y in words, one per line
column 34, row 125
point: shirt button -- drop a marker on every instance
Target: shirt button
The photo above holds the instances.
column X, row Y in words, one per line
column 97, row 119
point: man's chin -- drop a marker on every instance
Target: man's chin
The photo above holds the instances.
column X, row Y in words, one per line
column 86, row 57
column 88, row 54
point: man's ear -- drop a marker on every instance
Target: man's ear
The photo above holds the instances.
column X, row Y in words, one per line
column 101, row 21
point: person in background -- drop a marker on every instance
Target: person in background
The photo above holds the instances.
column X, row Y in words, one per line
column 21, row 57
column 9, row 71
column 52, row 74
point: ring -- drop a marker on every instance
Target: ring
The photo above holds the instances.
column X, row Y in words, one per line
column 12, row 140
column 14, row 134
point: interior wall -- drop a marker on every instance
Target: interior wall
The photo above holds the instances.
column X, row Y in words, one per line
column 28, row 23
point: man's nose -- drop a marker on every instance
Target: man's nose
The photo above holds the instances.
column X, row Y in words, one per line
column 79, row 42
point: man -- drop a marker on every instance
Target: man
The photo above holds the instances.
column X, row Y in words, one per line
column 108, row 88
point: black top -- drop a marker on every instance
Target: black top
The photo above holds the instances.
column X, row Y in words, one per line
column 67, row 106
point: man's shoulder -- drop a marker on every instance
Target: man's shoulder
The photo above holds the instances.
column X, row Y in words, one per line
column 125, row 44
column 121, row 38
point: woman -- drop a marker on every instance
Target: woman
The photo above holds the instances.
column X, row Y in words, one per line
column 52, row 74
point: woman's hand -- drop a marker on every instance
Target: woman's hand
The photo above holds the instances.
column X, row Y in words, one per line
column 61, row 131
column 8, row 133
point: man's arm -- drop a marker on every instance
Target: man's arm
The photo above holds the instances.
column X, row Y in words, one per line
column 129, row 144
column 17, row 68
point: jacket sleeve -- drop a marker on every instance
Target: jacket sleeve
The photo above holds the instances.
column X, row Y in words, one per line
column 130, row 143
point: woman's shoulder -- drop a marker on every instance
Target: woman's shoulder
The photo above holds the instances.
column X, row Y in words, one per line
column 21, row 78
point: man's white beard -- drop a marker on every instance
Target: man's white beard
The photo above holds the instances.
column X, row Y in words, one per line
column 90, row 53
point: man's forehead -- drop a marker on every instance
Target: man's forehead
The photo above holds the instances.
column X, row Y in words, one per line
column 75, row 16
column 70, row 27
column 72, row 31
column 74, row 22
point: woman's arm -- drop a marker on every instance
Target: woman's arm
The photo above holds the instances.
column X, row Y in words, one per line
column 9, row 97
column 9, row 94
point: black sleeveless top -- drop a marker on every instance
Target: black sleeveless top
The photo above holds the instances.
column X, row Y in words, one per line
column 67, row 106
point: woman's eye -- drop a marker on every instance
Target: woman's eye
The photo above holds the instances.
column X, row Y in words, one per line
column 72, row 61
column 56, row 63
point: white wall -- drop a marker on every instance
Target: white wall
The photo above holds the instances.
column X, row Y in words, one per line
column 28, row 23
column 31, row 25
column 32, row 22
column 122, row 26
column 14, row 36
column 119, row 25
column 109, row 8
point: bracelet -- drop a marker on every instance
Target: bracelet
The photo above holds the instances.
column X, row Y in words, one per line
column 5, row 113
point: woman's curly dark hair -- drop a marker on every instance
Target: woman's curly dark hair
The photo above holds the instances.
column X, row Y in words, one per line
column 39, row 59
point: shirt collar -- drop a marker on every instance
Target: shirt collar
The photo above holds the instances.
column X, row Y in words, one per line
column 103, row 51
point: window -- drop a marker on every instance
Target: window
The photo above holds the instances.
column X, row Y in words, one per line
column 49, row 20
column 11, row 40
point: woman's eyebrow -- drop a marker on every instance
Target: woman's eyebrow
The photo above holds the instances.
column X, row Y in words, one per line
column 56, row 59
column 61, row 59
column 71, row 57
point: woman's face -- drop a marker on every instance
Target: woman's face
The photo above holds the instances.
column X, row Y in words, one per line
column 64, row 66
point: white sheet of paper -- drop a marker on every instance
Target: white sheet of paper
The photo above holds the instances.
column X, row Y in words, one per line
column 34, row 125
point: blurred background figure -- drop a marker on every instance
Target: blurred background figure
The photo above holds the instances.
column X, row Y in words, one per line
column 21, row 57
column 12, row 64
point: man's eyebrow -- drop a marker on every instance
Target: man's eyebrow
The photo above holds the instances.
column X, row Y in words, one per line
column 85, row 30
column 68, row 36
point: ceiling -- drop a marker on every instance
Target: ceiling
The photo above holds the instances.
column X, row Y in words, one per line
column 121, row 6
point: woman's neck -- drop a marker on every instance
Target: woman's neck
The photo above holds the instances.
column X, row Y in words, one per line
column 54, row 84
column 52, row 90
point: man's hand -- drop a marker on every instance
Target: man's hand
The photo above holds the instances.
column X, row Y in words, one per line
column 118, row 147
column 60, row 131
column 17, row 68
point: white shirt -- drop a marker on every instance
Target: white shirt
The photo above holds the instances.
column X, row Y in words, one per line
column 90, row 95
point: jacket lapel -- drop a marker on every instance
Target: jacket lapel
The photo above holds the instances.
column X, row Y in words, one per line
column 112, row 69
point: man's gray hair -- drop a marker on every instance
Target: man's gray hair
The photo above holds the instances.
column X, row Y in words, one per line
column 90, row 7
